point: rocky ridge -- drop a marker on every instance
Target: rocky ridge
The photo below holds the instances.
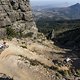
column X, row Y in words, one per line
column 17, row 15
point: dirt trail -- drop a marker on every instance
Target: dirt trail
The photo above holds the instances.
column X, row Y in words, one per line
column 9, row 60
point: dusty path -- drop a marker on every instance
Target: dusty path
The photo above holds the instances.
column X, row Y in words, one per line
column 9, row 60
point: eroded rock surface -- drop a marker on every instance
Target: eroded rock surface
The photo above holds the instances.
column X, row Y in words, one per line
column 17, row 15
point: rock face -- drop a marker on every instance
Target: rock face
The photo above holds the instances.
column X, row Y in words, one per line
column 17, row 15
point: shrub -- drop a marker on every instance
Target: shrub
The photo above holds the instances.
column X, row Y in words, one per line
column 53, row 68
column 10, row 32
column 24, row 47
column 30, row 34
column 62, row 72
column 20, row 33
column 78, row 72
column 34, row 62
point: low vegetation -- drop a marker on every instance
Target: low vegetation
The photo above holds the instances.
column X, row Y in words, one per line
column 30, row 34
column 10, row 32
column 24, row 46
column 47, row 25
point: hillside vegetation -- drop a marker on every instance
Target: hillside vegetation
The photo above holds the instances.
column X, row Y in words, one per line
column 47, row 25
column 66, row 33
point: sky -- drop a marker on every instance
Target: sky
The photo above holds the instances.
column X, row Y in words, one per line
column 56, row 3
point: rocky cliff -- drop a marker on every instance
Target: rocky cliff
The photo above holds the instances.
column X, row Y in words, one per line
column 17, row 15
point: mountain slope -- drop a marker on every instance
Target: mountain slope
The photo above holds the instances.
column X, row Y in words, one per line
column 32, row 62
column 69, row 39
column 65, row 13
column 12, row 63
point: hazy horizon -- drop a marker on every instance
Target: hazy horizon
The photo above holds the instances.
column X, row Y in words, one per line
column 54, row 3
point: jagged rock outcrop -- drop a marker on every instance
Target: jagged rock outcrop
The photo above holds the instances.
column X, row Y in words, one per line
column 50, row 35
column 17, row 15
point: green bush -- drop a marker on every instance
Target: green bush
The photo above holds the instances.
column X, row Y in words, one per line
column 10, row 32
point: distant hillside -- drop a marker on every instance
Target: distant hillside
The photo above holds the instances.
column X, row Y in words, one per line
column 65, row 13
column 69, row 39
column 47, row 25
column 66, row 32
